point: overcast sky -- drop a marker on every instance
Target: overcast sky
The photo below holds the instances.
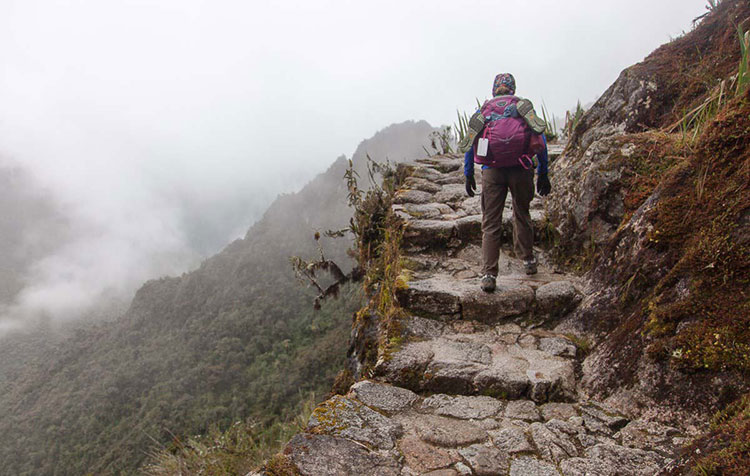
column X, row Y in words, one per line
column 137, row 113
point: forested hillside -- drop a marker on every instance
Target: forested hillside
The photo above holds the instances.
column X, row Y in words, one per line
column 233, row 340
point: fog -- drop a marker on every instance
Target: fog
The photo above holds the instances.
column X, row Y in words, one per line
column 156, row 131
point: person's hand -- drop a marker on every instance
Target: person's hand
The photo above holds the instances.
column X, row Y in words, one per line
column 543, row 187
column 471, row 185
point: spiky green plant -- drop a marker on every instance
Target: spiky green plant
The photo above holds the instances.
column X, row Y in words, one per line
column 551, row 131
column 743, row 74
column 462, row 127
column 572, row 119
column 693, row 122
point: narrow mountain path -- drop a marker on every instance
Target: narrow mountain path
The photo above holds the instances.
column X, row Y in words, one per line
column 480, row 385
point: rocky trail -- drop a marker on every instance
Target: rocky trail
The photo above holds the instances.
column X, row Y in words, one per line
column 481, row 384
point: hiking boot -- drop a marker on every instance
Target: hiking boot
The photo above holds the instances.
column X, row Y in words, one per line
column 488, row 283
column 530, row 266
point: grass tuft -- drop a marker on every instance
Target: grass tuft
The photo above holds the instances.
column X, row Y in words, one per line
column 236, row 450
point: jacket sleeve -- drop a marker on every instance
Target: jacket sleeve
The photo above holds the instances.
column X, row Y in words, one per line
column 469, row 162
column 469, row 158
column 542, row 168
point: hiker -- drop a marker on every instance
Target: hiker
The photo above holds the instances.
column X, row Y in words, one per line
column 507, row 165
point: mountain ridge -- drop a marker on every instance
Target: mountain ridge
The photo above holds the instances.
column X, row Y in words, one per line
column 234, row 339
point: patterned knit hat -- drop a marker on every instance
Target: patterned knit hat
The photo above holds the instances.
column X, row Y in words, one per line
column 504, row 84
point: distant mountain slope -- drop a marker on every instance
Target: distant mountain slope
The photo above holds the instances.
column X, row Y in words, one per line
column 234, row 339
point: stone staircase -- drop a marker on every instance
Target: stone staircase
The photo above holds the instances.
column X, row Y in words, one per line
column 480, row 385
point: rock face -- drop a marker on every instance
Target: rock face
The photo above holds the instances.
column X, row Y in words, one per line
column 586, row 203
column 608, row 205
column 625, row 107
column 477, row 386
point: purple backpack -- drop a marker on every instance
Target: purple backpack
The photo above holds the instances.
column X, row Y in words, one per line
column 509, row 136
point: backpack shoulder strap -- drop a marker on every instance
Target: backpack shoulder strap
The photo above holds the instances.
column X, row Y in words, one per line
column 526, row 110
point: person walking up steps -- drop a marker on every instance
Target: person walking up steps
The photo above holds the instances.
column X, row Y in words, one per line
column 505, row 134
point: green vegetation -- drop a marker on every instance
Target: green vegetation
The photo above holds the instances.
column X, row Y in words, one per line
column 743, row 72
column 241, row 448
column 551, row 132
column 442, row 142
column 462, row 127
column 377, row 236
column 725, row 449
column 235, row 340
column 693, row 122
column 100, row 406
column 572, row 119
column 377, row 233
column 584, row 345
column 380, row 256
column 698, row 223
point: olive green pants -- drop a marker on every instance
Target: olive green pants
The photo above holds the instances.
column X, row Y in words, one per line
column 496, row 182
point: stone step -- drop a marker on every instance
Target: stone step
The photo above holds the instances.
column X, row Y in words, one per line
column 425, row 211
column 466, row 263
column 444, row 297
column 441, row 234
column 466, row 391
column 421, row 184
column 382, row 429
column 502, row 361
column 555, row 150
column 430, row 226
